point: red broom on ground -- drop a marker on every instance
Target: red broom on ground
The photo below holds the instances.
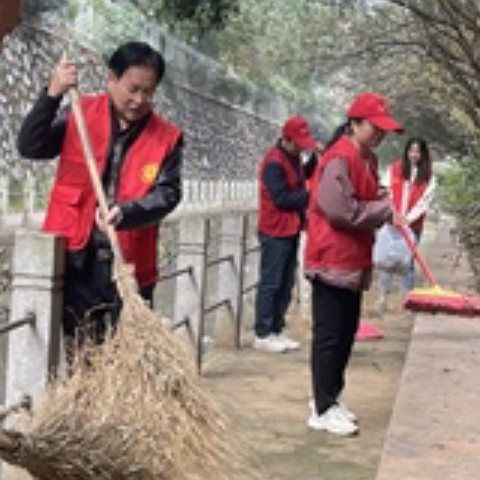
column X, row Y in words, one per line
column 435, row 299
column 368, row 331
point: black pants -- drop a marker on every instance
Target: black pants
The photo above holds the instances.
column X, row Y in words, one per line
column 278, row 262
column 336, row 316
column 92, row 304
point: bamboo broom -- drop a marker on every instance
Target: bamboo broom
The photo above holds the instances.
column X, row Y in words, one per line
column 137, row 412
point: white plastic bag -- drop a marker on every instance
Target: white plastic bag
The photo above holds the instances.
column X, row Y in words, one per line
column 391, row 251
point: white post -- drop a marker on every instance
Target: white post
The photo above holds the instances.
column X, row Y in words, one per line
column 303, row 285
column 4, row 195
column 186, row 202
column 33, row 349
column 251, row 268
column 195, row 197
column 189, row 286
column 228, row 278
column 29, row 194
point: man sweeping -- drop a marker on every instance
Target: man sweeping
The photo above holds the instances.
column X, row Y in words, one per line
column 138, row 155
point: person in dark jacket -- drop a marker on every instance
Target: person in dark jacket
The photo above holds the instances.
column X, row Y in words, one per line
column 139, row 157
column 283, row 198
column 346, row 205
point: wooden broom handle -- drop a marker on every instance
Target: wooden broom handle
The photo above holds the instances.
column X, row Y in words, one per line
column 93, row 171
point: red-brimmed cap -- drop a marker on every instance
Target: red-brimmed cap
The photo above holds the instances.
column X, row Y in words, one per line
column 297, row 130
column 373, row 107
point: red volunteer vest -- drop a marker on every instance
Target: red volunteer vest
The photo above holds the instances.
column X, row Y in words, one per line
column 72, row 204
column 330, row 247
column 271, row 220
column 416, row 191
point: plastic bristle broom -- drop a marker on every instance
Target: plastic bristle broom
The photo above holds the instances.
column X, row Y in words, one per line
column 435, row 299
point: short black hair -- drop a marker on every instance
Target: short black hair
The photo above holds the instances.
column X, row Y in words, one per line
column 136, row 54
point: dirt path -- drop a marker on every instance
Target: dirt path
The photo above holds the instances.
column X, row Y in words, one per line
column 266, row 395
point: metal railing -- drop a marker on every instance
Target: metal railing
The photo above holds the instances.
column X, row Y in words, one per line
column 234, row 306
column 29, row 319
column 205, row 299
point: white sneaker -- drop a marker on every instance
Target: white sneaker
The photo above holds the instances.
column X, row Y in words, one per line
column 342, row 408
column 289, row 343
column 270, row 343
column 332, row 421
column 347, row 412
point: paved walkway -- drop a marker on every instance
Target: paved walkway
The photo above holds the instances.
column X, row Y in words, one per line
column 416, row 392
column 435, row 429
column 266, row 397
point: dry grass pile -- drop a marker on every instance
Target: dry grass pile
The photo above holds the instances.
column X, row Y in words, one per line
column 138, row 412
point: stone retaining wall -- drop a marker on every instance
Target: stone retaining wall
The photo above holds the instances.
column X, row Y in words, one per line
column 223, row 139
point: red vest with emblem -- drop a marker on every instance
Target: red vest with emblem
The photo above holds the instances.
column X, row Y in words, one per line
column 415, row 192
column 330, row 247
column 273, row 221
column 72, row 205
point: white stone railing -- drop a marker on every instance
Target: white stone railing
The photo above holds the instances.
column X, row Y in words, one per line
column 201, row 195
column 25, row 205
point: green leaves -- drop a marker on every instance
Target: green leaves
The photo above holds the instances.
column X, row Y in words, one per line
column 195, row 17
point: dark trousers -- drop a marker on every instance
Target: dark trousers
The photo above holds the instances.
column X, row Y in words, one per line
column 92, row 304
column 278, row 262
column 336, row 316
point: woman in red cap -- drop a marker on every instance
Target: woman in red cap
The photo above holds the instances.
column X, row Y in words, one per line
column 345, row 208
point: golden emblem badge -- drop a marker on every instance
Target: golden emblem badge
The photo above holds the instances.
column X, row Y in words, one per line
column 149, row 173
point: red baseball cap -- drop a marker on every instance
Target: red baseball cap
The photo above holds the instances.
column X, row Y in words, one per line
column 297, row 130
column 373, row 107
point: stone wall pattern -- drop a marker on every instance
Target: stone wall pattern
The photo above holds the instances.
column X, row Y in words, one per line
column 222, row 140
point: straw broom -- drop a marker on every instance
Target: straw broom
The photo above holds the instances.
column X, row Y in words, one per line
column 136, row 411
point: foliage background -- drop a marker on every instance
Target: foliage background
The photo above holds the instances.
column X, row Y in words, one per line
column 317, row 54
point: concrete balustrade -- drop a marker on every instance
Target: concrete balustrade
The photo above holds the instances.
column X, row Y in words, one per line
column 198, row 196
column 213, row 279
column 189, row 299
column 205, row 298
column 34, row 348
